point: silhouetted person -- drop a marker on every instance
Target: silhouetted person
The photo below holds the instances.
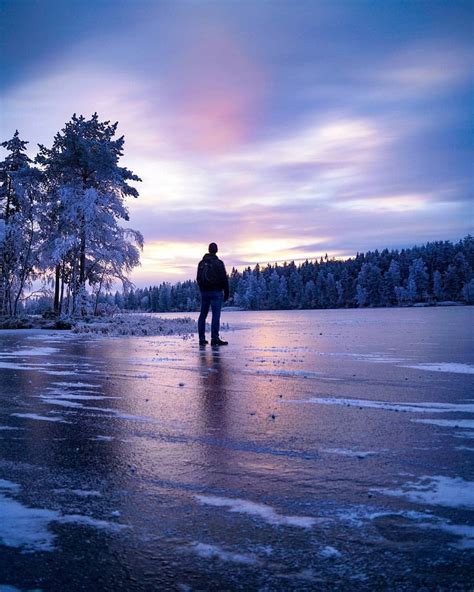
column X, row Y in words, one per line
column 214, row 285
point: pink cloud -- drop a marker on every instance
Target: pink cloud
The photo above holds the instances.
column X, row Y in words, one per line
column 217, row 92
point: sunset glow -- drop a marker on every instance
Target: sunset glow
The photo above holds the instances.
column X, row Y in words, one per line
column 279, row 130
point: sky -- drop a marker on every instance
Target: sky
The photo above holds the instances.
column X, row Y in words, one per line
column 280, row 129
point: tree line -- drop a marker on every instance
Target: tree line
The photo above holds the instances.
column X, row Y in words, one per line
column 60, row 214
column 435, row 272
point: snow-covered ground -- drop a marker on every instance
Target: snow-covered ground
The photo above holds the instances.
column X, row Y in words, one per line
column 138, row 324
column 320, row 450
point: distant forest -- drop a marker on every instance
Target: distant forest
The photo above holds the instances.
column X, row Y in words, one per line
column 438, row 271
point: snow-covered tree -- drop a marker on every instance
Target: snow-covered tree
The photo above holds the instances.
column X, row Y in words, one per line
column 391, row 280
column 369, row 285
column 22, row 198
column 438, row 292
column 417, row 285
column 468, row 292
column 87, row 198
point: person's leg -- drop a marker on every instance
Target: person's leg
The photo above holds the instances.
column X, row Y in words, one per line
column 205, row 303
column 216, row 305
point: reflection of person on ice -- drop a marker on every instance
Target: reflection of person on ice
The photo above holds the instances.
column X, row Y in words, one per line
column 214, row 285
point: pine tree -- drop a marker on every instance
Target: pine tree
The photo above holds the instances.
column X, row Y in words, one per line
column 438, row 292
column 418, row 278
column 22, row 203
column 90, row 188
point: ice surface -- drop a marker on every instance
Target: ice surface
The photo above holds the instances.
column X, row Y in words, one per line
column 5, row 428
column 215, row 552
column 263, row 511
column 301, row 486
column 452, row 492
column 444, row 367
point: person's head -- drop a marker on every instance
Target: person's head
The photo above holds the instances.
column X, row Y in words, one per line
column 213, row 248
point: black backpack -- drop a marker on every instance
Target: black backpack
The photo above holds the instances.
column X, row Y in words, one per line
column 207, row 274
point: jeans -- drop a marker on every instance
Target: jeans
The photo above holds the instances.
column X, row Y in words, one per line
column 214, row 300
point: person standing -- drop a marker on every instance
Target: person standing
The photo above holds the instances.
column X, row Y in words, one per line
column 214, row 286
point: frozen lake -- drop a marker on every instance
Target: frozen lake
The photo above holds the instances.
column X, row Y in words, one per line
column 320, row 450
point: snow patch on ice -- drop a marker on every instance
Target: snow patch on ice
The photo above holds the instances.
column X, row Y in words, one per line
column 429, row 521
column 376, row 358
column 14, row 366
column 88, row 521
column 77, row 384
column 5, row 428
column 39, row 417
column 62, row 402
column 26, row 352
column 465, row 532
column 348, row 452
column 9, row 485
column 444, row 367
column 388, row 406
column 76, row 397
column 215, row 552
column 263, row 511
column 289, row 373
column 59, row 372
column 467, row 424
column 102, row 439
column 452, row 492
column 330, row 553
column 80, row 492
column 25, row 528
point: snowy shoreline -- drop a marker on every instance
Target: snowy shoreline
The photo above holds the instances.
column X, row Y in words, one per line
column 122, row 324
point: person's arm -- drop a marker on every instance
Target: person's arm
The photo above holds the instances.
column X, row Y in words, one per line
column 197, row 278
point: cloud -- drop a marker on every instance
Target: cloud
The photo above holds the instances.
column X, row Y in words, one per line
column 295, row 131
